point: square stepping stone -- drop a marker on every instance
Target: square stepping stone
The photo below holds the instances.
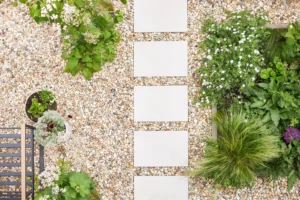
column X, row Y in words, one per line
column 160, row 148
column 160, row 58
column 160, row 103
column 160, row 188
column 160, row 15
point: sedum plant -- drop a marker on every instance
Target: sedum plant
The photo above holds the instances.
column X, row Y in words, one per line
column 242, row 146
column 48, row 127
column 60, row 183
column 88, row 31
column 233, row 57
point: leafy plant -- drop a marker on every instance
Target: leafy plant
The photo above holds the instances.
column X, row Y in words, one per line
column 276, row 99
column 88, row 30
column 48, row 127
column 39, row 105
column 61, row 183
column 285, row 44
column 36, row 109
column 233, row 57
column 243, row 144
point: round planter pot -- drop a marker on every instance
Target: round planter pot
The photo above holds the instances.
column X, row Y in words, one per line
column 29, row 102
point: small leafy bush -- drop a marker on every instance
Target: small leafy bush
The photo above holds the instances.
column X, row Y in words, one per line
column 60, row 183
column 48, row 127
column 242, row 146
column 285, row 44
column 88, row 31
column 44, row 102
column 276, row 99
column 233, row 57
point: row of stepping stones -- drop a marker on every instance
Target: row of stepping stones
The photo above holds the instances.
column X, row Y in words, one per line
column 160, row 103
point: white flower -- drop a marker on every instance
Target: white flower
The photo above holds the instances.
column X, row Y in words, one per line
column 222, row 79
column 231, row 61
column 256, row 51
column 240, row 57
column 251, row 65
column 222, row 71
column 220, row 86
column 249, row 56
column 291, row 26
column 241, row 49
column 242, row 41
column 49, row 7
column 253, row 78
column 209, row 57
column 243, row 85
column 256, row 69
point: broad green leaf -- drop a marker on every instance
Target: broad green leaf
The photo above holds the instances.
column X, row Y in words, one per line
column 23, row 1
column 257, row 104
column 77, row 53
column 281, row 103
column 291, row 181
column 86, row 58
column 275, row 116
column 79, row 3
column 87, row 73
column 263, row 85
column 266, row 117
column 124, row 1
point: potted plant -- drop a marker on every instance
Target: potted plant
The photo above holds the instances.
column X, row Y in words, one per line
column 38, row 103
column 51, row 128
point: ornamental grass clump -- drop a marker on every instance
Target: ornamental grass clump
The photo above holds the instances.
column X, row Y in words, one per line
column 48, row 128
column 233, row 57
column 242, row 146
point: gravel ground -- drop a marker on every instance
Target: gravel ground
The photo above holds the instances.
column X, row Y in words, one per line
column 102, row 109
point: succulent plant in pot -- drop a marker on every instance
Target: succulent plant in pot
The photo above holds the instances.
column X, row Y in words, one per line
column 51, row 128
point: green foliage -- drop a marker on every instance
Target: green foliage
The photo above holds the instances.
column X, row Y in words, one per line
column 43, row 103
column 48, row 127
column 36, row 109
column 233, row 57
column 285, row 44
column 88, row 28
column 64, row 184
column 242, row 146
column 276, row 100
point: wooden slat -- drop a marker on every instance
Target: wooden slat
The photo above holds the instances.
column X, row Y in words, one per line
column 23, row 162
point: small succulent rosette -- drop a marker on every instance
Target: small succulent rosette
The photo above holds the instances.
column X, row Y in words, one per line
column 291, row 134
column 51, row 128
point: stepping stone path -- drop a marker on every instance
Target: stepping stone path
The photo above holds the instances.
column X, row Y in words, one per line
column 160, row 59
column 160, row 188
column 160, row 103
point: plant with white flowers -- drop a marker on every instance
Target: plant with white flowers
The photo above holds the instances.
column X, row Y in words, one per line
column 60, row 183
column 88, row 31
column 232, row 57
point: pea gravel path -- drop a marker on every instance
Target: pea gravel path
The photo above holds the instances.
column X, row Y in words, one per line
column 102, row 109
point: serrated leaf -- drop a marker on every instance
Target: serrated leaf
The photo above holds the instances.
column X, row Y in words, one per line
column 257, row 104
column 275, row 116
column 86, row 59
column 87, row 73
column 263, row 85
column 291, row 181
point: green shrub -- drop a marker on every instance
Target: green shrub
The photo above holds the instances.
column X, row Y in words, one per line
column 233, row 57
column 285, row 44
column 61, row 183
column 242, row 146
column 276, row 99
column 88, row 31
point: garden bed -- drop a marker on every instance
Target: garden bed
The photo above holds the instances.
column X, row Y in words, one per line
column 102, row 109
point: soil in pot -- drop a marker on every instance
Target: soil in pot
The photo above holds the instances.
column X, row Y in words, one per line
column 29, row 102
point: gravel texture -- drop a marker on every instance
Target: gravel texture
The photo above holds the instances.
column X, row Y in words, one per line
column 102, row 109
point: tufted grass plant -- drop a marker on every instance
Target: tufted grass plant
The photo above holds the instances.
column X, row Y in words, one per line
column 242, row 146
